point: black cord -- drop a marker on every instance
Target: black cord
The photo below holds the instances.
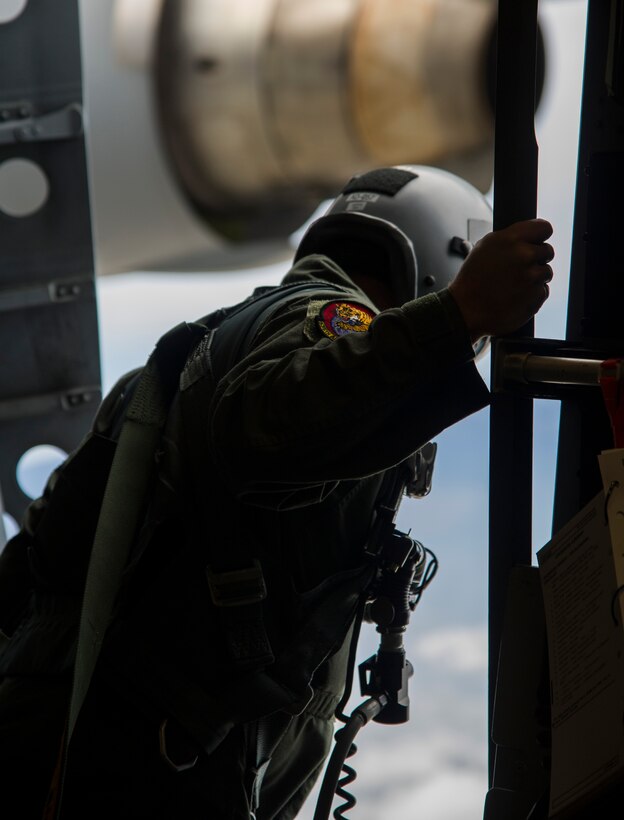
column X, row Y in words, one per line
column 342, row 750
column 349, row 776
column 427, row 577
column 404, row 594
column 339, row 712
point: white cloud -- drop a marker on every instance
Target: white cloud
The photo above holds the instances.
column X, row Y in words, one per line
column 436, row 774
column 449, row 795
column 435, row 766
column 456, row 649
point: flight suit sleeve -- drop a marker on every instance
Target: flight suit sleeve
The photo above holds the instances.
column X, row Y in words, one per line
column 300, row 414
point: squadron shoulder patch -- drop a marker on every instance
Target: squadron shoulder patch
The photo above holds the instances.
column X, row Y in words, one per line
column 339, row 318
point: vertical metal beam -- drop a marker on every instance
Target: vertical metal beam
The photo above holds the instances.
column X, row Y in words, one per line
column 596, row 279
column 596, row 297
column 594, row 321
column 511, row 417
column 49, row 360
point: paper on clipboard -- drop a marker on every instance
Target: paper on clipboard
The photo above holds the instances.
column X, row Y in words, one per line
column 612, row 470
column 586, row 653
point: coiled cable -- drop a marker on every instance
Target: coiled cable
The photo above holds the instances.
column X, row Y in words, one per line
column 341, row 788
column 384, row 676
column 332, row 784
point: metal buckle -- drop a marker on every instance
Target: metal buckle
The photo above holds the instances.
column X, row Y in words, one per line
column 177, row 767
column 238, row 587
column 424, row 460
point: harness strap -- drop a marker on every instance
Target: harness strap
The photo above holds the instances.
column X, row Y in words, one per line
column 234, row 576
column 123, row 503
column 122, row 507
column 284, row 686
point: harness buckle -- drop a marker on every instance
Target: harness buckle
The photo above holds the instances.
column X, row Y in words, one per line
column 237, row 587
column 164, row 753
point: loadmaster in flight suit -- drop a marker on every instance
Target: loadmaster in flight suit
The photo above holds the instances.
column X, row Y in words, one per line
column 276, row 474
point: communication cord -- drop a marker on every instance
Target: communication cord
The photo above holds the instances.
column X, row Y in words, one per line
column 343, row 749
column 384, row 676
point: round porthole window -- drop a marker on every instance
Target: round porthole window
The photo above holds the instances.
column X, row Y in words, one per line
column 8, row 528
column 35, row 466
column 24, row 187
column 10, row 9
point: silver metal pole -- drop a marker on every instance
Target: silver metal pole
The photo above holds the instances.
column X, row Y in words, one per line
column 527, row 367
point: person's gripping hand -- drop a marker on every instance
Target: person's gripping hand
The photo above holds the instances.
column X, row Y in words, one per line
column 504, row 280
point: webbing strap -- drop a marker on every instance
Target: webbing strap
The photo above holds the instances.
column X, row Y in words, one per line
column 242, row 623
column 126, row 494
column 119, row 518
column 123, row 502
column 282, row 686
column 235, row 336
column 122, row 506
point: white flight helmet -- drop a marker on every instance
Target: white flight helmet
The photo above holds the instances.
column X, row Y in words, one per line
column 425, row 219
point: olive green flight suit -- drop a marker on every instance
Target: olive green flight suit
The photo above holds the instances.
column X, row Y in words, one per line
column 298, row 436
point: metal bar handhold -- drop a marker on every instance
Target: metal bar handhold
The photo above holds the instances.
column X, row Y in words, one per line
column 527, row 367
column 22, row 125
column 46, row 293
column 41, row 404
column 511, row 416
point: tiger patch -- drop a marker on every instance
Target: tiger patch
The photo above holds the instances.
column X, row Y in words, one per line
column 336, row 319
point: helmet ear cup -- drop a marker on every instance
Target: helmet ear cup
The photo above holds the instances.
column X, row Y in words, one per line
column 429, row 216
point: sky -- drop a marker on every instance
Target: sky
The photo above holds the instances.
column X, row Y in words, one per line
column 435, row 766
